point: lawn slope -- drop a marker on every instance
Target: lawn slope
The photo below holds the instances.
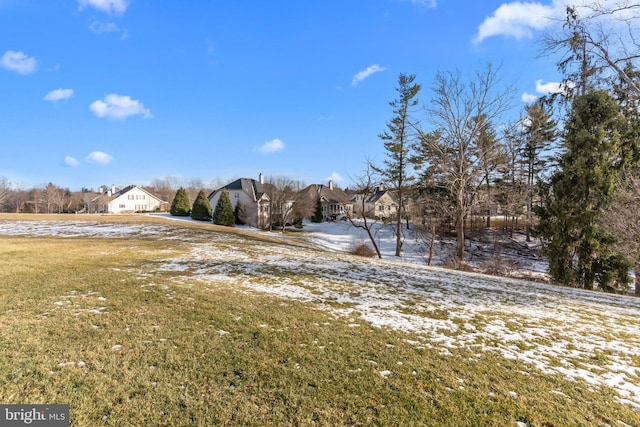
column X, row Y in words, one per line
column 145, row 322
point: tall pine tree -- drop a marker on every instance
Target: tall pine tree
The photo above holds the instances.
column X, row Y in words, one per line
column 579, row 250
column 180, row 205
column 223, row 214
column 397, row 140
column 540, row 130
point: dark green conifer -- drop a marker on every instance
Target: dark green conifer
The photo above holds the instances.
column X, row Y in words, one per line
column 223, row 214
column 180, row 205
column 317, row 214
column 579, row 250
column 201, row 209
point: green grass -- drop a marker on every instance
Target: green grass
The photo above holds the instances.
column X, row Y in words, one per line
column 196, row 354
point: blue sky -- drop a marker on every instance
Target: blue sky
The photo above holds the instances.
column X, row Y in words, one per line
column 125, row 91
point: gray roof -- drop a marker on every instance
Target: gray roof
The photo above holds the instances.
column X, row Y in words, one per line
column 377, row 195
column 255, row 189
column 332, row 195
column 119, row 193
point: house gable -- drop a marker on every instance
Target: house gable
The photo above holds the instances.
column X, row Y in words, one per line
column 128, row 200
column 334, row 201
column 252, row 195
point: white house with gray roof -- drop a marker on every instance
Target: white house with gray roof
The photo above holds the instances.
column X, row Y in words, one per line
column 128, row 200
column 253, row 198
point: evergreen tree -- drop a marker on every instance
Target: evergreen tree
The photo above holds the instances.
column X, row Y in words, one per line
column 461, row 113
column 317, row 213
column 539, row 132
column 579, row 250
column 629, row 101
column 238, row 213
column 180, row 205
column 397, row 140
column 491, row 155
column 201, row 209
column 223, row 214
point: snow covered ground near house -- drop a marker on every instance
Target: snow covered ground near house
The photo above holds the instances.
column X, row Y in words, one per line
column 583, row 335
column 487, row 251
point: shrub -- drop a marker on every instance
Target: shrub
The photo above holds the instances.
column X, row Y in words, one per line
column 364, row 251
column 317, row 214
column 180, row 205
column 224, row 215
column 201, row 209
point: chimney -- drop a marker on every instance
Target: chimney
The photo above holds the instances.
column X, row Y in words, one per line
column 330, row 184
column 381, row 187
column 261, row 179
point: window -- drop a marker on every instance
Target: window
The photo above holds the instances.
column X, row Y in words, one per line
column 122, row 206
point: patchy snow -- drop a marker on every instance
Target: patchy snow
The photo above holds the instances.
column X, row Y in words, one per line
column 519, row 258
column 583, row 335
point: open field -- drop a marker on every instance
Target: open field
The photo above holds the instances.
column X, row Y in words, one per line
column 144, row 321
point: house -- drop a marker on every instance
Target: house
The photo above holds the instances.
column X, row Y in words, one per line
column 335, row 202
column 252, row 197
column 381, row 204
column 128, row 200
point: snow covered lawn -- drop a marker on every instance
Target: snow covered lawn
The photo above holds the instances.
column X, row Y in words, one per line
column 583, row 335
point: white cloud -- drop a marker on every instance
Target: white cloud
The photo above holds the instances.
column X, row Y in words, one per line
column 548, row 88
column 542, row 88
column 117, row 7
column 99, row 157
column 335, row 177
column 70, row 161
column 375, row 68
column 520, row 19
column 271, row 146
column 117, row 107
column 18, row 62
column 517, row 20
column 58, row 94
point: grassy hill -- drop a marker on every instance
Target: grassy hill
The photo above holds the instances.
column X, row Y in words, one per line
column 142, row 321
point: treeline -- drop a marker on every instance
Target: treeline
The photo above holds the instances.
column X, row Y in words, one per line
column 52, row 198
column 568, row 168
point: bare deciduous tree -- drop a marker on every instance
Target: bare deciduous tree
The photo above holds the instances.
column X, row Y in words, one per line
column 512, row 190
column 74, row 201
column 598, row 39
column 365, row 186
column 452, row 149
column 54, row 197
column 435, row 208
column 5, row 190
column 193, row 187
column 166, row 187
column 287, row 201
column 622, row 219
column 19, row 197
